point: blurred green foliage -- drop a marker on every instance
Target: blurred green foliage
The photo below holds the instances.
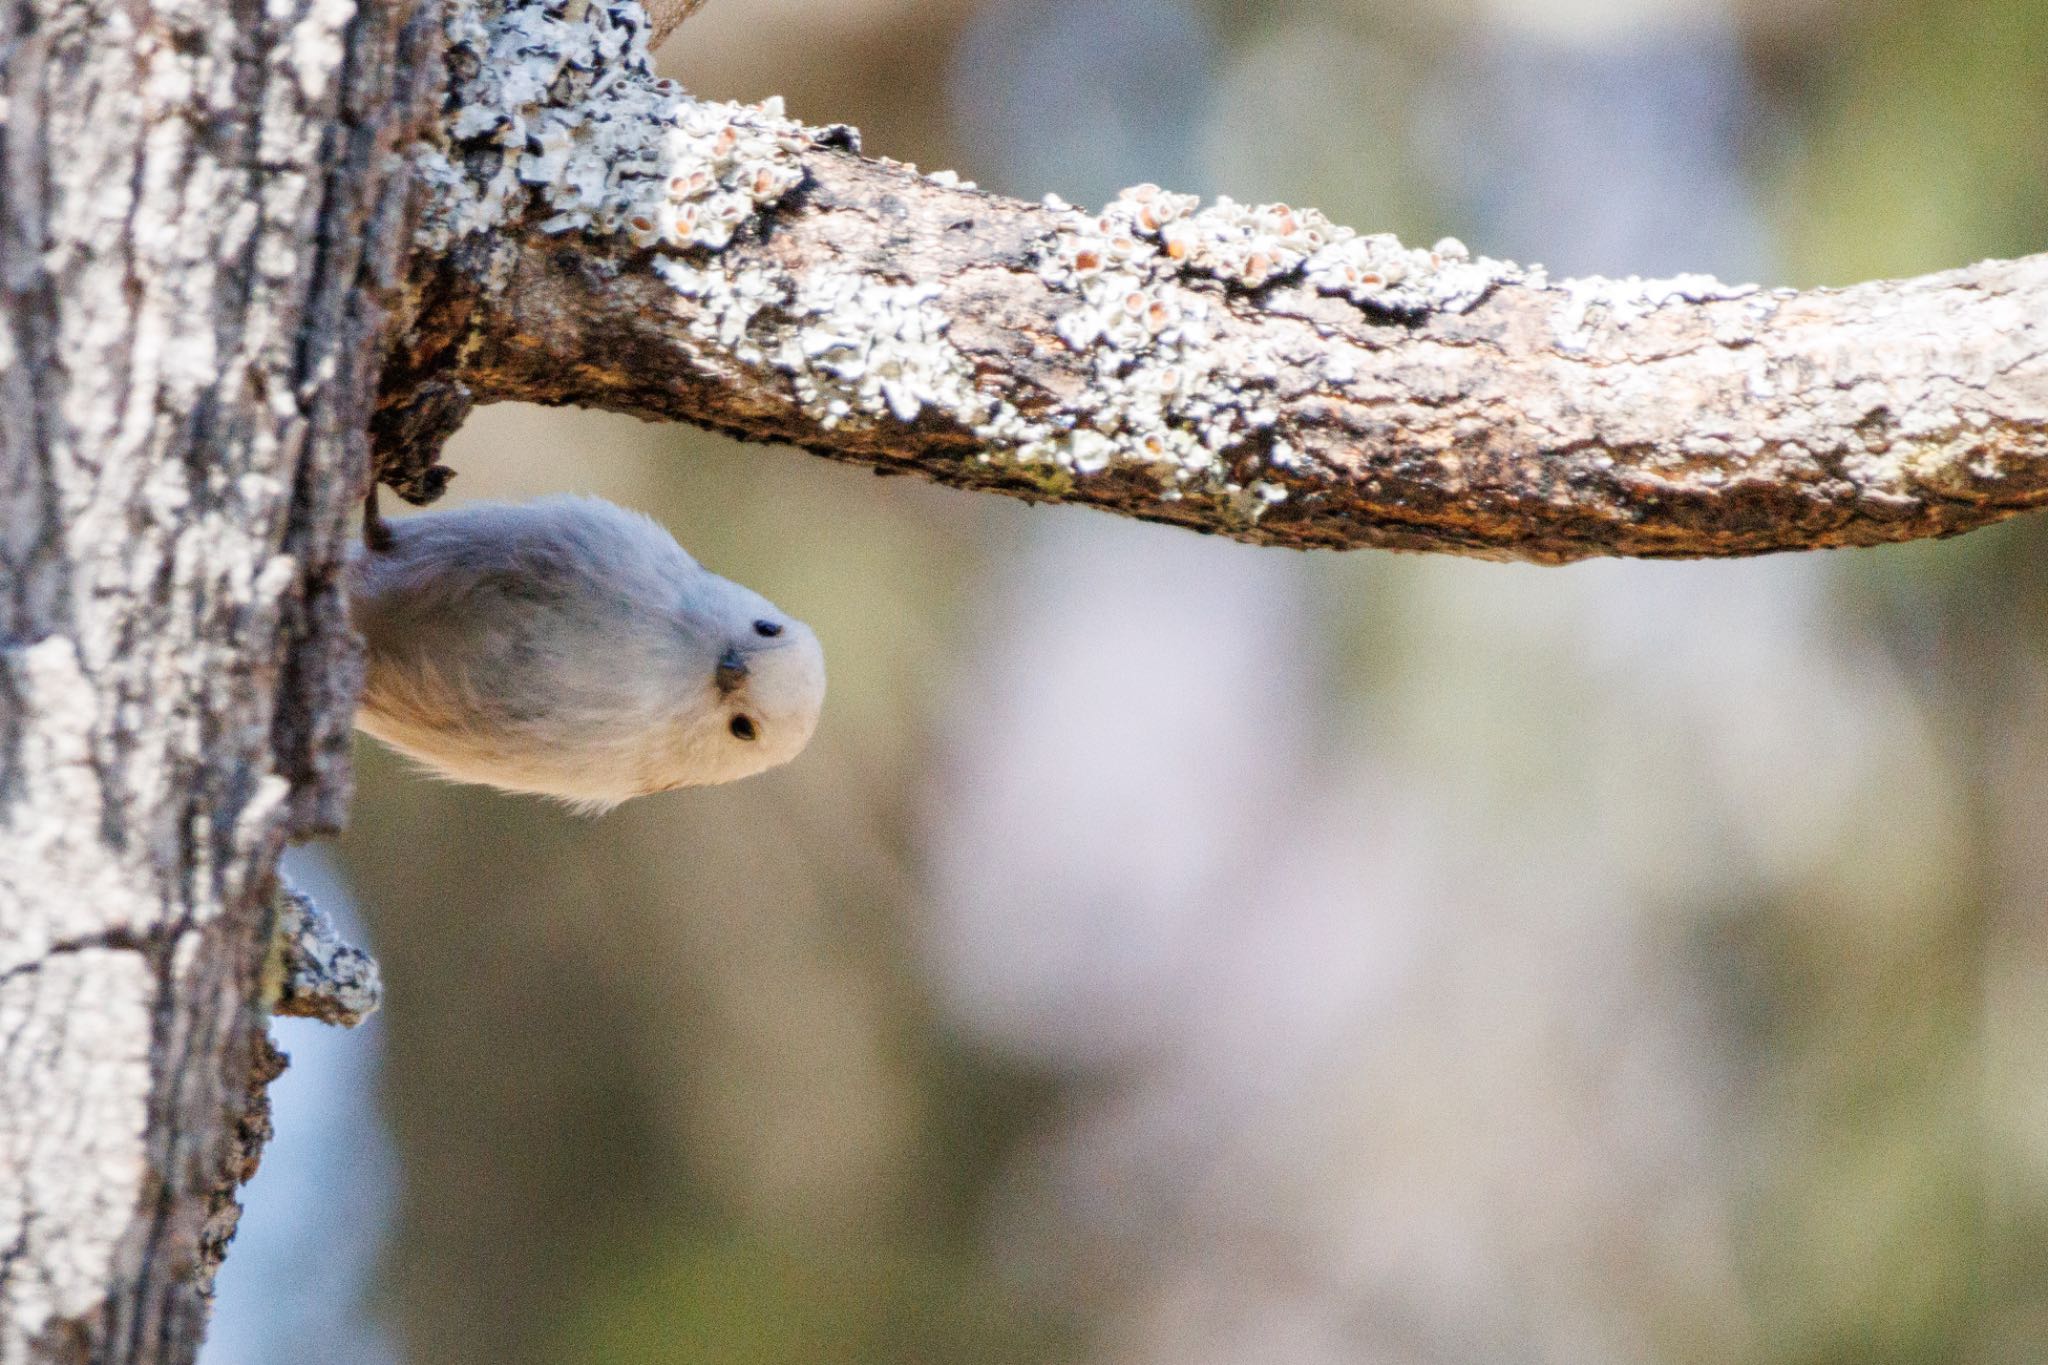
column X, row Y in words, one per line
column 731, row 1301
column 1916, row 143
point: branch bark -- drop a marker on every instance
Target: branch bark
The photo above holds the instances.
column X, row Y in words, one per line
column 1255, row 372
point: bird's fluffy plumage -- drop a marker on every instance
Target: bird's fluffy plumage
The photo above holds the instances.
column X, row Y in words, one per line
column 570, row 647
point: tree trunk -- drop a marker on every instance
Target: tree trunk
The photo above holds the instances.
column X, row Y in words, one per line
column 199, row 217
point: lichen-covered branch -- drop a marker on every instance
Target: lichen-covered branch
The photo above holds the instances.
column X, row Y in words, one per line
column 594, row 236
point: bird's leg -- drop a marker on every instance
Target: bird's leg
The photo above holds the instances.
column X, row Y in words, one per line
column 376, row 535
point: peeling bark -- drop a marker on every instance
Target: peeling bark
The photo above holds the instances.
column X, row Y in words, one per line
column 200, row 208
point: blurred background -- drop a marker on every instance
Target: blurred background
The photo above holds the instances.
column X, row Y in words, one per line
column 1172, row 953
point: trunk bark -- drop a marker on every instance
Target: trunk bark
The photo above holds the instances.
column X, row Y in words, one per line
column 201, row 210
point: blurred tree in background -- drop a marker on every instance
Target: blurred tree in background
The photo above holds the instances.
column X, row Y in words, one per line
column 1173, row 952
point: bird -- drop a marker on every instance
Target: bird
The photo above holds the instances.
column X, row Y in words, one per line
column 569, row 647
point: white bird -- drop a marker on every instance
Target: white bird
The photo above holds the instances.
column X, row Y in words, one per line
column 571, row 648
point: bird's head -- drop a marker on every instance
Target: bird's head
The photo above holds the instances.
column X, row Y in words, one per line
column 757, row 689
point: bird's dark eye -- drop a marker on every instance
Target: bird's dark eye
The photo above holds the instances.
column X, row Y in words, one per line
column 768, row 628
column 742, row 727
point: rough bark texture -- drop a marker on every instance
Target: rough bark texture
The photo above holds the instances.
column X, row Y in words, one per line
column 1778, row 422
column 595, row 237
column 1529, row 427
column 200, row 205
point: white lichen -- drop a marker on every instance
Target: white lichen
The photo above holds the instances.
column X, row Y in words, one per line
column 1172, row 389
column 856, row 349
column 853, row 347
column 1251, row 246
column 1595, row 303
column 556, row 116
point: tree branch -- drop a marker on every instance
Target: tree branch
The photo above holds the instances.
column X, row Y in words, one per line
column 593, row 236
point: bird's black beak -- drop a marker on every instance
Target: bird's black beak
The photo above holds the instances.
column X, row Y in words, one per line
column 731, row 670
